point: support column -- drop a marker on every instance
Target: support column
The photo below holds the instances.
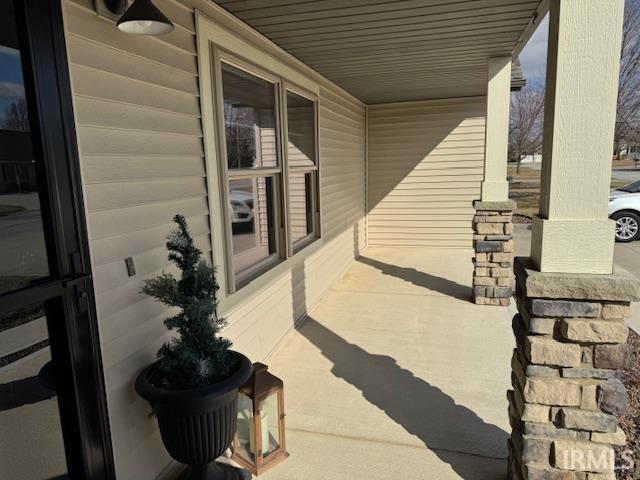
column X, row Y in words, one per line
column 570, row 347
column 493, row 243
column 570, row 330
column 492, row 224
column 572, row 232
column 495, row 187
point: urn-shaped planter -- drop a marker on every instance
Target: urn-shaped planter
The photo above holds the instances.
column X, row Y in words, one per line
column 197, row 425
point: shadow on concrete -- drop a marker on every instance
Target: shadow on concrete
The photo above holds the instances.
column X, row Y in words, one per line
column 421, row 279
column 453, row 432
column 23, row 392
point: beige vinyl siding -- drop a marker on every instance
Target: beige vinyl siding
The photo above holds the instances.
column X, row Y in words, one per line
column 140, row 138
column 341, row 148
column 139, row 129
column 426, row 163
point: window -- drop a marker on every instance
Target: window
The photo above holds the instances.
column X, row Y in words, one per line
column 301, row 158
column 253, row 171
column 266, row 187
column 249, row 120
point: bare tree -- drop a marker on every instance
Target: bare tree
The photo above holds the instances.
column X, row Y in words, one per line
column 15, row 117
column 628, row 114
column 240, row 122
column 526, row 122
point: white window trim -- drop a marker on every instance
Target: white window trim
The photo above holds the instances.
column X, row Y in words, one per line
column 216, row 44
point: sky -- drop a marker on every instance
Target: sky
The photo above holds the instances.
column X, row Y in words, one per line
column 534, row 55
column 11, row 83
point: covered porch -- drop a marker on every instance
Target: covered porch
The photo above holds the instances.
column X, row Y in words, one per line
column 394, row 372
column 397, row 374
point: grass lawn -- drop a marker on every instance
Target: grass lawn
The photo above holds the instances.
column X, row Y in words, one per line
column 624, row 163
column 524, row 187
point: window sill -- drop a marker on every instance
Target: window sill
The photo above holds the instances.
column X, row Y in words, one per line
column 304, row 242
column 230, row 303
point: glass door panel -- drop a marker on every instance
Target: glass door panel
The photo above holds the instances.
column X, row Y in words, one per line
column 31, row 438
column 53, row 417
column 31, row 445
column 23, row 256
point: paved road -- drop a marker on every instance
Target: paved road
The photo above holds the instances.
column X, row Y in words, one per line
column 22, row 247
column 627, row 256
column 622, row 174
column 626, row 174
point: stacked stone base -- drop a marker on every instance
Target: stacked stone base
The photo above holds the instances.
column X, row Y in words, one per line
column 571, row 346
column 493, row 243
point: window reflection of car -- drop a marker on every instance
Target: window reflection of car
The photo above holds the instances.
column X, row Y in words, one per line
column 241, row 209
column 624, row 208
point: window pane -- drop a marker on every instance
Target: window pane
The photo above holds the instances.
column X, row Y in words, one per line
column 301, row 148
column 252, row 222
column 246, row 444
column 23, row 257
column 300, row 205
column 270, row 425
column 31, row 445
column 249, row 119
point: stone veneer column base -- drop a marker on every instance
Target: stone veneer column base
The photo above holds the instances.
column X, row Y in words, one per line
column 493, row 244
column 570, row 347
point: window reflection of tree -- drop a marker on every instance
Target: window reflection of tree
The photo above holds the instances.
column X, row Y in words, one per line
column 240, row 129
column 16, row 117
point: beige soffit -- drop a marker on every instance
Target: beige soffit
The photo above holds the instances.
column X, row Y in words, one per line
column 387, row 51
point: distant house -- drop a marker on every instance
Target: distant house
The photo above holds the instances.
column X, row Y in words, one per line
column 17, row 169
column 534, row 158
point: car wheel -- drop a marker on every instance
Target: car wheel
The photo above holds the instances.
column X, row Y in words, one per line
column 627, row 226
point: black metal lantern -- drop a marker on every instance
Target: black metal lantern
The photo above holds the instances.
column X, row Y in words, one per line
column 259, row 443
column 144, row 18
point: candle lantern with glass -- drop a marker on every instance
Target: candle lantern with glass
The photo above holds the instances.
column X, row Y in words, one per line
column 259, row 443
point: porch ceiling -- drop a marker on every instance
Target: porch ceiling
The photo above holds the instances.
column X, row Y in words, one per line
column 385, row 51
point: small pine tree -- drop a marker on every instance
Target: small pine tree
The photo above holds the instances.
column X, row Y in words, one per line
column 197, row 357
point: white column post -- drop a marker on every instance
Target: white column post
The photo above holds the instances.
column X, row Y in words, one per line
column 495, row 187
column 572, row 233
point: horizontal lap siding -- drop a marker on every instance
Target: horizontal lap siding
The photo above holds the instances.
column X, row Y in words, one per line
column 137, row 109
column 426, row 164
column 137, row 112
column 342, row 154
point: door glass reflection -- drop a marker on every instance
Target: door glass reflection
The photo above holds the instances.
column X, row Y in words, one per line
column 31, row 445
column 23, row 257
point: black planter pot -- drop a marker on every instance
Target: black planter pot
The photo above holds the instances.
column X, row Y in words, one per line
column 198, row 425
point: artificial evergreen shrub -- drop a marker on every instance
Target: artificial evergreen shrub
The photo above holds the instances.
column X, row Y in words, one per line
column 197, row 357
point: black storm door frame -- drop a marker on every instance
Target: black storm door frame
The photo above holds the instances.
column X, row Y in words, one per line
column 67, row 292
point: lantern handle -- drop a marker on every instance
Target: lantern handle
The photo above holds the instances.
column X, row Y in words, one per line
column 259, row 367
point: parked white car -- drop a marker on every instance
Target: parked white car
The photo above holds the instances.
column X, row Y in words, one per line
column 624, row 208
column 241, row 206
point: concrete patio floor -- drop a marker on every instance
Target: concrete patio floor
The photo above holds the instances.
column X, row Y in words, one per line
column 395, row 374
